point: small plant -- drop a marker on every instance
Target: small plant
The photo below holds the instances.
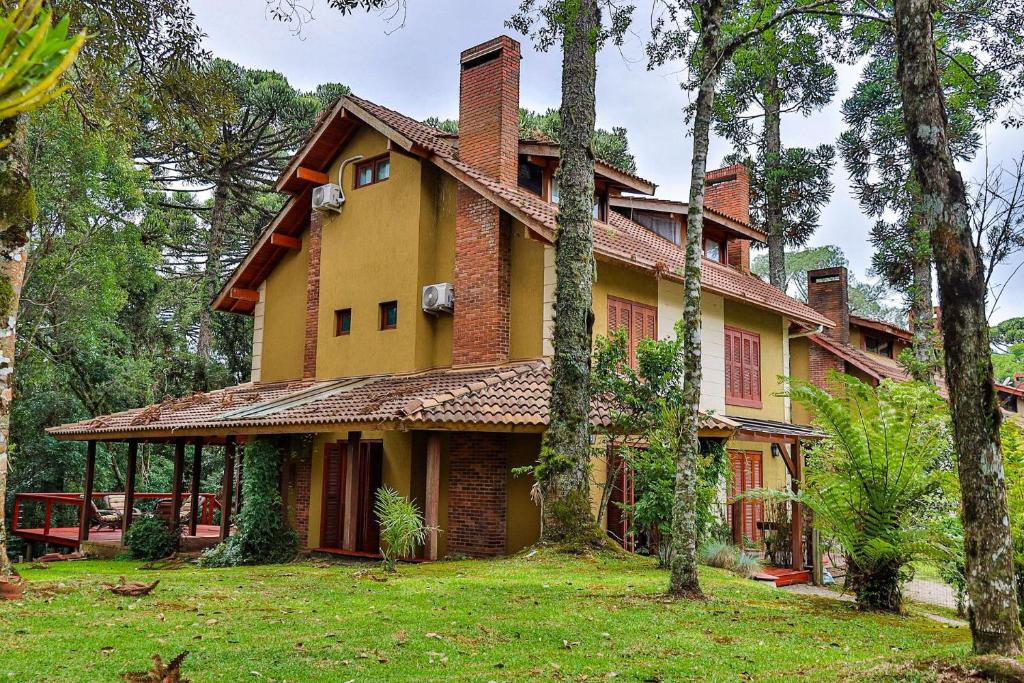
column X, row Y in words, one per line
column 401, row 527
column 149, row 538
column 727, row 556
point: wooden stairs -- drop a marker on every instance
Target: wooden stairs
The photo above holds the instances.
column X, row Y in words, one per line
column 780, row 576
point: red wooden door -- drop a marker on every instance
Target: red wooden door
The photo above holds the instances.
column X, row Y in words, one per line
column 622, row 493
column 332, row 524
column 747, row 475
column 369, row 473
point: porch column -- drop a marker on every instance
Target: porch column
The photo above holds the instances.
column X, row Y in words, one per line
column 197, row 470
column 129, row 486
column 797, row 522
column 432, row 494
column 229, row 488
column 285, row 483
column 240, row 457
column 90, row 477
column 349, row 526
column 176, row 483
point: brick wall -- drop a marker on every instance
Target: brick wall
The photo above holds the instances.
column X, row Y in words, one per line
column 312, row 294
column 303, row 476
column 489, row 108
column 739, row 255
column 820, row 362
column 728, row 191
column 482, row 281
column 828, row 293
column 477, row 475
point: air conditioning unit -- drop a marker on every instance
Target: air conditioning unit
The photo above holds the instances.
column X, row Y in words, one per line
column 328, row 197
column 439, row 298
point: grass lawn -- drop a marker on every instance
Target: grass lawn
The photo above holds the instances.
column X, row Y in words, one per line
column 508, row 620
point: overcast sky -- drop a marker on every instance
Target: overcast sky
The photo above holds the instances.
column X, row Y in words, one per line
column 414, row 69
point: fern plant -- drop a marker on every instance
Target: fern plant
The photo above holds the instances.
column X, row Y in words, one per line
column 401, row 527
column 878, row 478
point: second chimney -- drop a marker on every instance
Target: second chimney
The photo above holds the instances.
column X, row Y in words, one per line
column 489, row 108
column 828, row 294
column 728, row 191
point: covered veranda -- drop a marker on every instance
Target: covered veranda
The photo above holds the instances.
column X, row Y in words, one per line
column 204, row 517
column 786, row 441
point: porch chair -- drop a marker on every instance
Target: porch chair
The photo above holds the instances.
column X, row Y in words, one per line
column 103, row 519
column 115, row 502
column 165, row 505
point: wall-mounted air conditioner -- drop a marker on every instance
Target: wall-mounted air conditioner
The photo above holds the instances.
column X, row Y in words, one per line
column 328, row 197
column 439, row 298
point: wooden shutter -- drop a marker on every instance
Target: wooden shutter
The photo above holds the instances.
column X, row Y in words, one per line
column 756, row 481
column 640, row 321
column 334, row 496
column 742, row 368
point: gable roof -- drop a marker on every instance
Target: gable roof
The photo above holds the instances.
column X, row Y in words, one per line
column 875, row 366
column 620, row 240
column 881, row 326
column 678, row 207
column 508, row 397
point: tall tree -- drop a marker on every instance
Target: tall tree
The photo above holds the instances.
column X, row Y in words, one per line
column 36, row 55
column 874, row 150
column 783, row 70
column 944, row 206
column 259, row 122
column 706, row 34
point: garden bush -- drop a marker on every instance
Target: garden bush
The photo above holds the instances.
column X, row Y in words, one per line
column 149, row 538
column 401, row 527
column 727, row 556
column 263, row 535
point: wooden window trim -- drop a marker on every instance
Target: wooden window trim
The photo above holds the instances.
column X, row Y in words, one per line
column 740, row 401
column 339, row 314
column 372, row 164
column 384, row 306
column 723, row 248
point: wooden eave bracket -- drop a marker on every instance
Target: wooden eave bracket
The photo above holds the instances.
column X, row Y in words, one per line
column 245, row 294
column 286, row 241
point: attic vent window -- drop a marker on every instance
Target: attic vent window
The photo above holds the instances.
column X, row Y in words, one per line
column 825, row 278
column 481, row 59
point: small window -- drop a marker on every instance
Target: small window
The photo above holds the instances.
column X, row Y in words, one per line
column 389, row 315
column 554, row 190
column 373, row 171
column 342, row 322
column 531, row 178
column 878, row 345
column 659, row 224
column 715, row 250
column 600, row 202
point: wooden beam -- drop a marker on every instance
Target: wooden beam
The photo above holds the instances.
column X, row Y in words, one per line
column 129, row 486
column 245, row 294
column 176, row 482
column 90, row 477
column 286, row 242
column 197, row 471
column 229, row 488
column 348, row 538
column 311, row 176
column 240, row 457
column 432, row 493
column 797, row 523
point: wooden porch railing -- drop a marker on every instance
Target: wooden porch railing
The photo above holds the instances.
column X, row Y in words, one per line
column 208, row 504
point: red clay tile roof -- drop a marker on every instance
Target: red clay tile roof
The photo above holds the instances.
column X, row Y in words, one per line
column 620, row 239
column 878, row 367
column 501, row 397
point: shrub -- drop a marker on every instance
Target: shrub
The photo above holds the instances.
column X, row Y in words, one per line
column 401, row 526
column 263, row 536
column 727, row 556
column 149, row 538
column 873, row 482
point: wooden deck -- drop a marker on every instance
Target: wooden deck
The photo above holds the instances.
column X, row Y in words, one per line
column 782, row 576
column 68, row 536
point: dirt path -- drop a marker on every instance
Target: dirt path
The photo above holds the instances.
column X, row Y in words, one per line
column 822, row 592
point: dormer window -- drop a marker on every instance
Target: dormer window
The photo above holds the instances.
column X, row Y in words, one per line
column 881, row 346
column 715, row 250
column 554, row 190
column 531, row 177
column 664, row 225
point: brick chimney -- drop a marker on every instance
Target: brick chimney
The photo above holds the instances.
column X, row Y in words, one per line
column 489, row 141
column 828, row 293
column 489, row 108
column 728, row 191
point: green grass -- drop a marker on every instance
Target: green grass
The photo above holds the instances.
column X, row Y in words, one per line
column 511, row 620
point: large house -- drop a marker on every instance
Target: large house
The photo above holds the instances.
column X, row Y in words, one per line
column 370, row 375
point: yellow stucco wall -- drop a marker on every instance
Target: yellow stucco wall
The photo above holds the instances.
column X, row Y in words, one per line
column 624, row 283
column 799, row 366
column 526, row 307
column 285, row 317
column 769, row 326
column 522, row 520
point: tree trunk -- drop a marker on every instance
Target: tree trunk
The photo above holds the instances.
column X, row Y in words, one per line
column 17, row 212
column 773, row 191
column 211, row 282
column 564, row 470
column 994, row 618
column 683, row 581
column 922, row 316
